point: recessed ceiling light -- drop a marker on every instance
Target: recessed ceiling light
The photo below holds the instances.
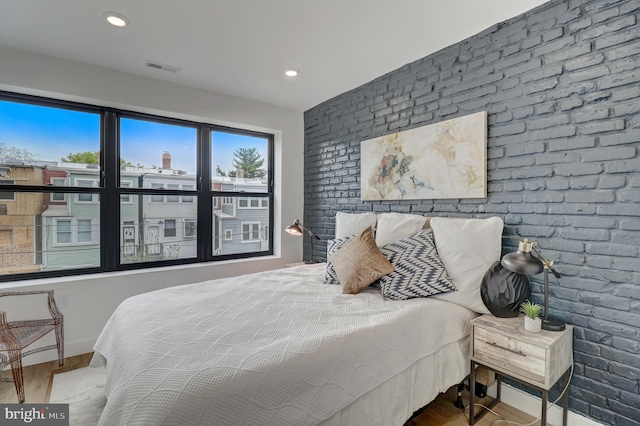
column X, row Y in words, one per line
column 116, row 19
column 291, row 72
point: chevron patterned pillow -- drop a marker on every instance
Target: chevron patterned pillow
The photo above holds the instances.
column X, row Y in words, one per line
column 330, row 276
column 418, row 270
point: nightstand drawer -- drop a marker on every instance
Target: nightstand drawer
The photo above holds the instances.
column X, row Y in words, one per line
column 510, row 354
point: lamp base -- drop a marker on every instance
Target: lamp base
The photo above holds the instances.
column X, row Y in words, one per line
column 553, row 324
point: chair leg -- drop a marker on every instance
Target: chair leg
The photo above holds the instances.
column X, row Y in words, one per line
column 60, row 343
column 16, row 370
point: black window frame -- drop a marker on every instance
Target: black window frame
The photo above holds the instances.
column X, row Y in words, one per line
column 109, row 191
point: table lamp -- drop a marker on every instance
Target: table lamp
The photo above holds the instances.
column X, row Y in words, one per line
column 296, row 229
column 523, row 262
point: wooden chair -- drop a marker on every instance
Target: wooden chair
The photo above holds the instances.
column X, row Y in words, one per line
column 17, row 335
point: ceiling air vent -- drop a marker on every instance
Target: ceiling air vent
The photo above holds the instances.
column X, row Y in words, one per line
column 159, row 66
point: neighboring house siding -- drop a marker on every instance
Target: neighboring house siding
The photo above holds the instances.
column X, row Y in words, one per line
column 561, row 85
column 19, row 223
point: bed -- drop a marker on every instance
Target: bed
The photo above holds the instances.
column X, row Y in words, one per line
column 278, row 348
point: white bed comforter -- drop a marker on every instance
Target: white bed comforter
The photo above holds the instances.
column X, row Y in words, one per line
column 276, row 348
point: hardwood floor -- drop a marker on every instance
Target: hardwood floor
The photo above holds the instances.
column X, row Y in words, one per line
column 36, row 379
column 440, row 412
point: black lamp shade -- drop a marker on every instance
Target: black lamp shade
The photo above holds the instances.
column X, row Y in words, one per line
column 522, row 262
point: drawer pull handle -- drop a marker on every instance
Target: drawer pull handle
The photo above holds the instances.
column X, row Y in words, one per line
column 507, row 349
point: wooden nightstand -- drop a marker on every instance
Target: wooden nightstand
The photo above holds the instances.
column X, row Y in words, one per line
column 536, row 359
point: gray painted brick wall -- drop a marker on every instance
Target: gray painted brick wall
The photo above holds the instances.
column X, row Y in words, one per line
column 561, row 85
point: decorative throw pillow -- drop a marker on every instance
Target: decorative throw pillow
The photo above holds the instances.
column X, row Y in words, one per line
column 359, row 263
column 418, row 270
column 348, row 224
column 395, row 226
column 467, row 247
column 330, row 276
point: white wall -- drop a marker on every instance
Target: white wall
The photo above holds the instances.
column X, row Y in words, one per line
column 92, row 298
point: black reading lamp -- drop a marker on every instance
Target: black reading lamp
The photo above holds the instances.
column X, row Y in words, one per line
column 523, row 262
column 296, row 229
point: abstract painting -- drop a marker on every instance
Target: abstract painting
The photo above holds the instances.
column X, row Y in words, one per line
column 442, row 160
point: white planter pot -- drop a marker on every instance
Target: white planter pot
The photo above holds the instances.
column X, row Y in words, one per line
column 532, row 325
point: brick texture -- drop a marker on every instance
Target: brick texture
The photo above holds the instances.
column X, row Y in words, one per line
column 560, row 84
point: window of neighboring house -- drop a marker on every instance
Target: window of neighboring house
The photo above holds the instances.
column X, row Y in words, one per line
column 265, row 235
column 187, row 198
column 7, row 195
column 58, row 196
column 84, row 231
column 250, row 232
column 86, row 198
column 73, row 231
column 253, row 202
column 63, row 231
column 189, row 228
column 125, row 198
column 172, row 198
column 215, row 202
column 227, row 201
column 169, row 228
column 157, row 198
column 228, row 234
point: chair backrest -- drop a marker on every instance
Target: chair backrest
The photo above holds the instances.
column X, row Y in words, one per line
column 27, row 305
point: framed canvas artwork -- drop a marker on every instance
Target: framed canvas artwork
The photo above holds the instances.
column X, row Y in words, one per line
column 441, row 160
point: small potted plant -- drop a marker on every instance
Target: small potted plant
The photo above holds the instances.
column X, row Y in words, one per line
column 532, row 321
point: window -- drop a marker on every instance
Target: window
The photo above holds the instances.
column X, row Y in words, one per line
column 125, row 198
column 6, row 195
column 73, row 231
column 63, row 231
column 58, row 196
column 84, row 197
column 169, row 228
column 250, row 232
column 172, row 198
column 253, row 202
column 187, row 198
column 157, row 198
column 189, row 227
column 84, row 231
column 151, row 166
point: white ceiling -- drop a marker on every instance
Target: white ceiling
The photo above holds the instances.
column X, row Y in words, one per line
column 242, row 47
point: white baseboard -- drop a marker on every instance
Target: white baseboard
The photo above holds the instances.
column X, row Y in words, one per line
column 531, row 405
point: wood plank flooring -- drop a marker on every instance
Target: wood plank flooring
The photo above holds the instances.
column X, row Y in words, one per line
column 440, row 412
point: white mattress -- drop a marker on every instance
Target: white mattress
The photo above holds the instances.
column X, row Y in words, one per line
column 274, row 348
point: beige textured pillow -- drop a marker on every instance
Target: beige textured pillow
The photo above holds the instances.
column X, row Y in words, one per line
column 359, row 263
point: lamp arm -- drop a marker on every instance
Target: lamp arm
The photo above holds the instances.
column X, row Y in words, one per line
column 308, row 231
column 548, row 264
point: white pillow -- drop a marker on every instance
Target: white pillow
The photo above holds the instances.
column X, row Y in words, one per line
column 467, row 248
column 396, row 226
column 348, row 224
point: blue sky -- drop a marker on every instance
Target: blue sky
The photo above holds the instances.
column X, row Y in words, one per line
column 51, row 134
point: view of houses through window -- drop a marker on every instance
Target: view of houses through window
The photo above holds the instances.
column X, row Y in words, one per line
column 158, row 190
